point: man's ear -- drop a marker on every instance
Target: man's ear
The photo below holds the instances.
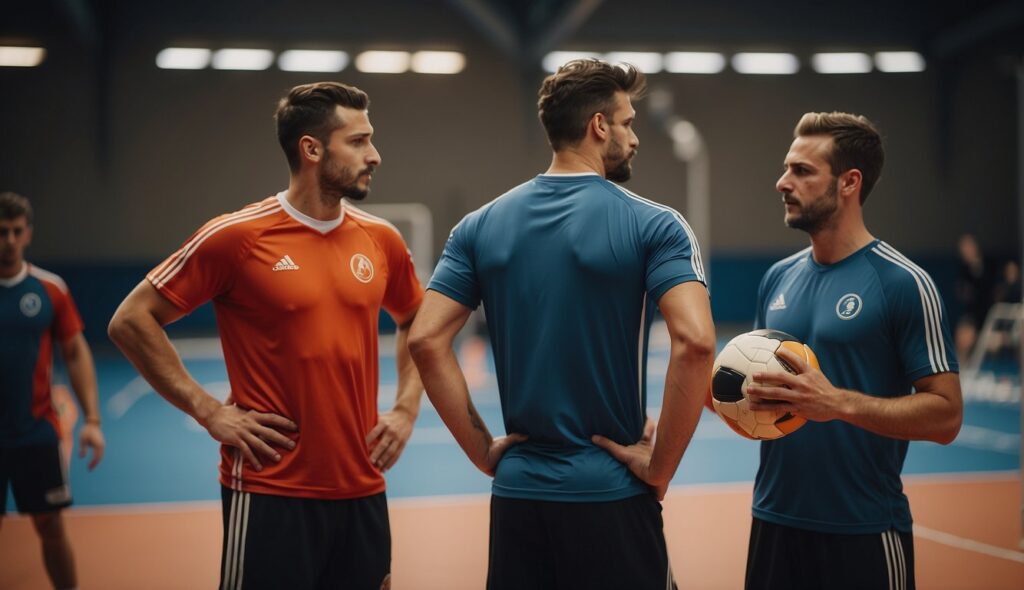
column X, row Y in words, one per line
column 598, row 125
column 851, row 182
column 311, row 149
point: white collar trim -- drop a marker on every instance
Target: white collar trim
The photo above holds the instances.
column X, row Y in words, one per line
column 320, row 225
column 16, row 278
column 570, row 174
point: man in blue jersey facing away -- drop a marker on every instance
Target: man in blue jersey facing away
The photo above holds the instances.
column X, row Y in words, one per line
column 829, row 509
column 37, row 314
column 570, row 268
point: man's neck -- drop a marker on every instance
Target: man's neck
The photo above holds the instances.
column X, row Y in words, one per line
column 304, row 194
column 831, row 245
column 572, row 161
column 9, row 271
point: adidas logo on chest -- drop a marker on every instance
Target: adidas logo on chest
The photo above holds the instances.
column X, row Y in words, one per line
column 286, row 263
column 779, row 303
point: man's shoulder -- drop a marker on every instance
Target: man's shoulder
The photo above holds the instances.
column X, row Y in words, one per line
column 793, row 262
column 47, row 278
column 896, row 271
column 375, row 225
column 251, row 218
column 642, row 206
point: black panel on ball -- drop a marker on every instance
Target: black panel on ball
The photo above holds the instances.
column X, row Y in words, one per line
column 785, row 417
column 727, row 385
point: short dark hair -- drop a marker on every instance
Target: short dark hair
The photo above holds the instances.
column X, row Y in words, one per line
column 309, row 109
column 856, row 143
column 14, row 206
column 570, row 97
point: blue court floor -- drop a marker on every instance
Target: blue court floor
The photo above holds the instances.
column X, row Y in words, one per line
column 155, row 453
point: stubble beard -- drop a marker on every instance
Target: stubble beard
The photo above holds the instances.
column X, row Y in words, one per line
column 338, row 182
column 820, row 214
column 618, row 167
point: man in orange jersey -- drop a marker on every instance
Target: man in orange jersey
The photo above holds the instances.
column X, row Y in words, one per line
column 297, row 281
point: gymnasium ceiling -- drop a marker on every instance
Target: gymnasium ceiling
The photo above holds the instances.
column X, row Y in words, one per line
column 525, row 30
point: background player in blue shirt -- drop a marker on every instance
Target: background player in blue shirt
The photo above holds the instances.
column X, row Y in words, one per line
column 829, row 509
column 570, row 267
column 36, row 313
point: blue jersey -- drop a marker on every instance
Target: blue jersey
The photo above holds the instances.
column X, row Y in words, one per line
column 36, row 310
column 877, row 324
column 569, row 268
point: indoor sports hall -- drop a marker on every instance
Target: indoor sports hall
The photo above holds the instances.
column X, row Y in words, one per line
column 128, row 125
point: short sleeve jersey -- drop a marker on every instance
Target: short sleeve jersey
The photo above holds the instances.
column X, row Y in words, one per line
column 568, row 268
column 297, row 303
column 36, row 310
column 877, row 324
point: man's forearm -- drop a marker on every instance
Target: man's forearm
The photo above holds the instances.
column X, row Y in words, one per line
column 82, row 373
column 448, row 392
column 410, row 386
column 686, row 384
column 921, row 416
column 145, row 344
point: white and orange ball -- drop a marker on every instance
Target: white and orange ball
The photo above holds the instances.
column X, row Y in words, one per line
column 743, row 356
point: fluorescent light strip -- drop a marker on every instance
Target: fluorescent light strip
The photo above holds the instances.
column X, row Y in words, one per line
column 557, row 59
column 183, row 58
column 646, row 62
column 242, row 59
column 899, row 61
column 438, row 62
column 308, row 60
column 841, row 63
column 21, row 57
column 383, row 62
column 765, row 63
column 694, row 62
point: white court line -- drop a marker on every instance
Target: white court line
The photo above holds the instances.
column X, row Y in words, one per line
column 967, row 544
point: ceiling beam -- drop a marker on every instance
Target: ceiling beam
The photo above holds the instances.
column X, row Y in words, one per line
column 495, row 27
column 571, row 20
column 984, row 25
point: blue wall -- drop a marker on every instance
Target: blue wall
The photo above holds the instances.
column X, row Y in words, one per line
column 99, row 288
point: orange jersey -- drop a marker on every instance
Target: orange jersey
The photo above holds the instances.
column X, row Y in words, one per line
column 297, row 303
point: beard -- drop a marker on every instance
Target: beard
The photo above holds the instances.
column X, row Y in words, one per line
column 337, row 182
column 617, row 165
column 819, row 214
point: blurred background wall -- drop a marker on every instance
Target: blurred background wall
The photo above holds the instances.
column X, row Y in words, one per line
column 123, row 160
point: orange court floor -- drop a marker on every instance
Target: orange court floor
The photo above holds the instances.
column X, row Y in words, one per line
column 967, row 535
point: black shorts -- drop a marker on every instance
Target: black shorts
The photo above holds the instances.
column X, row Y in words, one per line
column 566, row 545
column 785, row 557
column 276, row 542
column 37, row 475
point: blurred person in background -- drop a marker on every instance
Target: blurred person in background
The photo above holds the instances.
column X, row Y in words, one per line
column 37, row 314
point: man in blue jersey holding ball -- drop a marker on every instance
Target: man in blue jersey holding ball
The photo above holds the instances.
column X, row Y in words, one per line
column 569, row 267
column 829, row 508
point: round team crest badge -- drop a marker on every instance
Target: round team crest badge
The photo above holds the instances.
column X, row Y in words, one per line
column 361, row 267
column 30, row 304
column 849, row 306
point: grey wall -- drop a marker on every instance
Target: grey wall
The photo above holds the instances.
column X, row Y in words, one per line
column 123, row 160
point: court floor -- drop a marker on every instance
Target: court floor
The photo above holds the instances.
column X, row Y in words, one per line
column 148, row 517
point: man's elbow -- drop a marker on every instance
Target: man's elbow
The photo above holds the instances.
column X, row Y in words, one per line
column 698, row 348
column 119, row 326
column 950, row 428
column 422, row 345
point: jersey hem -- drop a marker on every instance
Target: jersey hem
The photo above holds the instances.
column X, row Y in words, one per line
column 567, row 496
column 170, row 296
column 332, row 494
column 929, row 371
column 451, row 294
column 860, row 528
column 665, row 286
